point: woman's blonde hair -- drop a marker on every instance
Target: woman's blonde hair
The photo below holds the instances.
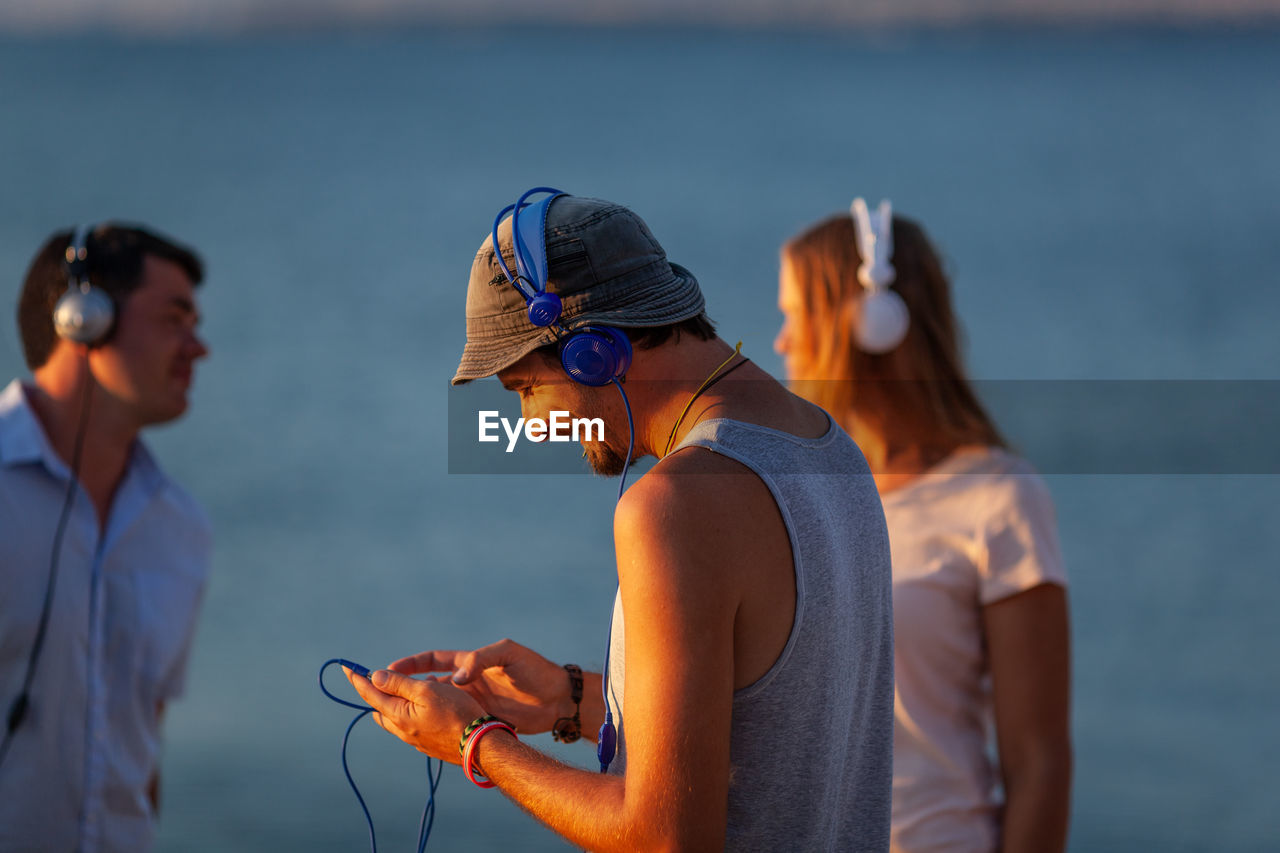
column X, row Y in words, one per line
column 917, row 392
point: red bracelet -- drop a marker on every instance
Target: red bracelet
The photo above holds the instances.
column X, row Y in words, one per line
column 469, row 750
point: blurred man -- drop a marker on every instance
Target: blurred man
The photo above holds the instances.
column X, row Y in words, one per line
column 102, row 557
column 749, row 676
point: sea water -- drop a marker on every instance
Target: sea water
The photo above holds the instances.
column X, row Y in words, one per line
column 1106, row 201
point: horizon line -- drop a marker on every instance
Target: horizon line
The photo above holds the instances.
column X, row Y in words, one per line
column 291, row 19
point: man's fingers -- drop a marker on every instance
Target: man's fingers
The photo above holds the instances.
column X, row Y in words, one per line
column 465, row 666
column 469, row 665
column 386, row 702
column 396, row 684
column 440, row 660
column 387, row 725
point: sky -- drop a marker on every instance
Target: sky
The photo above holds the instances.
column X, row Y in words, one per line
column 214, row 16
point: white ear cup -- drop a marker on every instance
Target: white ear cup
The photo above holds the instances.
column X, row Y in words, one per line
column 882, row 321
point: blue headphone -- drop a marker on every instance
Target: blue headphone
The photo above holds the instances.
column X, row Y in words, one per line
column 85, row 313
column 590, row 355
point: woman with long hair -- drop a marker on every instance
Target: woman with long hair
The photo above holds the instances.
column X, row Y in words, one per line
column 980, row 605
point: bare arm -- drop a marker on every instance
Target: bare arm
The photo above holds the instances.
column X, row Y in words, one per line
column 679, row 692
column 675, row 575
column 1028, row 640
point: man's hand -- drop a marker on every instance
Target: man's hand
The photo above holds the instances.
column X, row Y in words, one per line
column 510, row 681
column 428, row 715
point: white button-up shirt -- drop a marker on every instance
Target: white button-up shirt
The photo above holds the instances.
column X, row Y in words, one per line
column 120, row 628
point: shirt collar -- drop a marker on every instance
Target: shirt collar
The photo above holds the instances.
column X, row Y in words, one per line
column 22, row 438
column 23, row 441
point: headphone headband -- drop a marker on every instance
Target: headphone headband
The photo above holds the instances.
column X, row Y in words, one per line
column 592, row 355
column 873, row 233
column 77, row 253
column 530, row 278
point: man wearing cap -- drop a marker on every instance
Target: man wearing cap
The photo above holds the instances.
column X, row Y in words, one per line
column 749, row 675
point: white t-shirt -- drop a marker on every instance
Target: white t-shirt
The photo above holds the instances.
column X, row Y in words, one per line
column 974, row 529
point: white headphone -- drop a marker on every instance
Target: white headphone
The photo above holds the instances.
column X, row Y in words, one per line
column 882, row 318
column 85, row 313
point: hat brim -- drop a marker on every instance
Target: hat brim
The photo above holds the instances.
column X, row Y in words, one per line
column 677, row 297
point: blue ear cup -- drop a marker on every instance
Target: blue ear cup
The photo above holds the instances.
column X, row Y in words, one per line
column 596, row 355
column 85, row 313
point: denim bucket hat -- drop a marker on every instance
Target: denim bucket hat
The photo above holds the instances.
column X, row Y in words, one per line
column 603, row 263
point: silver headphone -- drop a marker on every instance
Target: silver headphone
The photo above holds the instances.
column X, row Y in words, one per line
column 85, row 313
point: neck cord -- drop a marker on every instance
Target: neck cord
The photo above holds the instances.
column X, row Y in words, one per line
column 715, row 377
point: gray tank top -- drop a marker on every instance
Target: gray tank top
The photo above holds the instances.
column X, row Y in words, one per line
column 812, row 740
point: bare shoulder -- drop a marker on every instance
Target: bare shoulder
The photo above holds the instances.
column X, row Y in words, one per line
column 694, row 487
column 697, row 508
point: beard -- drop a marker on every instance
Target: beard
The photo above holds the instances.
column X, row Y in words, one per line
column 604, row 460
column 601, row 456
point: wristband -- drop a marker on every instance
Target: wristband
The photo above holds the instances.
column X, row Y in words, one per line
column 471, row 727
column 569, row 729
column 468, row 752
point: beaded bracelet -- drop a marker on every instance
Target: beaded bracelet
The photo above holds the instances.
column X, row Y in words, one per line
column 469, row 751
column 569, row 729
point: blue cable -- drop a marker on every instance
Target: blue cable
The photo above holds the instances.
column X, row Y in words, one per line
column 607, row 739
column 433, row 779
column 631, row 437
column 515, row 282
column 429, row 810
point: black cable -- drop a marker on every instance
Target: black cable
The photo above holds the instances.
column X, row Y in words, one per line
column 18, row 710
